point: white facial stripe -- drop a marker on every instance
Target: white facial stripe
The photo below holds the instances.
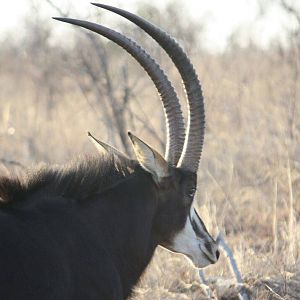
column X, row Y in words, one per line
column 199, row 226
column 193, row 241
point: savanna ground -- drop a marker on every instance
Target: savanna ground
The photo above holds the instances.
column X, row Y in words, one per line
column 53, row 90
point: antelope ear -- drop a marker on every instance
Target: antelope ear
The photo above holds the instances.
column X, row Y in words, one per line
column 149, row 158
column 104, row 148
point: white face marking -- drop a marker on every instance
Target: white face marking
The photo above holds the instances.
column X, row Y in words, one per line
column 200, row 248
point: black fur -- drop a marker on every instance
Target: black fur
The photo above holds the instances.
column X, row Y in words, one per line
column 86, row 230
column 78, row 179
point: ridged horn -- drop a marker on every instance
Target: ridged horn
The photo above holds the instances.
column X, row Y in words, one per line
column 193, row 144
column 172, row 109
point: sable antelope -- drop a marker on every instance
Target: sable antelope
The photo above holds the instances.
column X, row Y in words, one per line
column 89, row 229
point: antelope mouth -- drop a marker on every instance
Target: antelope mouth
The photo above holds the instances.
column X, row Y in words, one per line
column 208, row 258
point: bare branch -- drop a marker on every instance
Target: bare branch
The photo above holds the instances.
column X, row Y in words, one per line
column 225, row 247
column 291, row 10
column 118, row 115
column 57, row 8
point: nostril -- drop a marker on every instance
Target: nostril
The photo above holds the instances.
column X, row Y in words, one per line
column 217, row 254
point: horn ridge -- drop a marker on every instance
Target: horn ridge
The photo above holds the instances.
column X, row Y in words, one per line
column 193, row 144
column 173, row 114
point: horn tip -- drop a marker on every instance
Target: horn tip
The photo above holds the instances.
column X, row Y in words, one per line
column 61, row 19
column 97, row 4
column 101, row 5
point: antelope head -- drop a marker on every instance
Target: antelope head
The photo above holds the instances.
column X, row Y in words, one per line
column 176, row 225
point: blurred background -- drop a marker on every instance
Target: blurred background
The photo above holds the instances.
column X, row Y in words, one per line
column 57, row 82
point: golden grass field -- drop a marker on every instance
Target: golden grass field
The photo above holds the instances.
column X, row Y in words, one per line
column 249, row 176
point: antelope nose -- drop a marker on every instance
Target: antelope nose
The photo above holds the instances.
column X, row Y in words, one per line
column 217, row 254
column 212, row 252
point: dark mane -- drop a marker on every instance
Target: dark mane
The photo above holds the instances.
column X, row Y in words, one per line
column 79, row 179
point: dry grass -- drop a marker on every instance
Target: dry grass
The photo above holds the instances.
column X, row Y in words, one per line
column 249, row 178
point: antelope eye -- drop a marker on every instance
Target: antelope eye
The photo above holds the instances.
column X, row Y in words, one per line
column 191, row 193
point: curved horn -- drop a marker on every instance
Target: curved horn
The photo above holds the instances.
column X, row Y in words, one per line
column 193, row 144
column 172, row 109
